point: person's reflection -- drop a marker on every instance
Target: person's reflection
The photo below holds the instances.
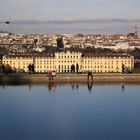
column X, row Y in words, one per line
column 77, row 86
column 73, row 87
column 123, row 88
column 29, row 87
column 90, row 84
column 3, row 87
column 51, row 86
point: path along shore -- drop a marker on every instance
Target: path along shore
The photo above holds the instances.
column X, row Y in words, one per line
column 69, row 78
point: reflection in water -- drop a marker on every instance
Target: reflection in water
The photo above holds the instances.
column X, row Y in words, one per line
column 73, row 87
column 29, row 86
column 90, row 85
column 105, row 115
column 3, row 87
column 123, row 88
column 52, row 86
column 77, row 86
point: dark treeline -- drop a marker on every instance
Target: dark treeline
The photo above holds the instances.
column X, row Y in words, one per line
column 135, row 53
column 100, row 51
column 50, row 49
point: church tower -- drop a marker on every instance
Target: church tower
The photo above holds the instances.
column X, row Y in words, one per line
column 136, row 31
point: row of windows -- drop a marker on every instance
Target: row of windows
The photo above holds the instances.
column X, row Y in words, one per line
column 106, row 67
column 67, row 61
column 103, row 58
column 67, row 56
column 49, row 67
column 45, row 61
column 99, row 71
column 72, row 57
column 93, row 61
column 98, row 66
column 107, row 64
column 29, row 58
column 105, row 71
column 38, row 67
column 11, row 58
column 85, row 61
column 64, row 66
column 44, row 64
column 14, row 64
column 40, row 62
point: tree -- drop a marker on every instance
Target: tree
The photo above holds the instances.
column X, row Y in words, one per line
column 3, row 69
column 33, row 68
column 30, row 68
column 77, row 68
column 72, row 68
column 123, row 68
column 8, row 69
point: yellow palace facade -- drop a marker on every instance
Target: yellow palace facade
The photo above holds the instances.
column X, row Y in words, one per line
column 61, row 62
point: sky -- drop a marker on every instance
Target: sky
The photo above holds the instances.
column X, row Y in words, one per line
column 69, row 9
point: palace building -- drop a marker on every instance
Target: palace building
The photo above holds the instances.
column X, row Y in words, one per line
column 62, row 62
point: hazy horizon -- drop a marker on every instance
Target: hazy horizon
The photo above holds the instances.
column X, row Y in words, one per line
column 70, row 16
column 102, row 26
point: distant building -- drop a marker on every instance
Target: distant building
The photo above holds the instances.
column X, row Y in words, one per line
column 107, row 63
column 134, row 34
column 62, row 62
column 2, row 34
column 136, row 31
column 60, row 43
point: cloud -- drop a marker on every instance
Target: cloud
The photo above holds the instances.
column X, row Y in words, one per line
column 69, row 9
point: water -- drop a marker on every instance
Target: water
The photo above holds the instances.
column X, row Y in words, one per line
column 70, row 112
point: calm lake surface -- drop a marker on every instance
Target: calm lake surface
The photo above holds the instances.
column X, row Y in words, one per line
column 70, row 112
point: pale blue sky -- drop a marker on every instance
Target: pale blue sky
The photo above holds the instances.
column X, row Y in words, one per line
column 69, row 9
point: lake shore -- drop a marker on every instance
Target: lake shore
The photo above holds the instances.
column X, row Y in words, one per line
column 69, row 78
